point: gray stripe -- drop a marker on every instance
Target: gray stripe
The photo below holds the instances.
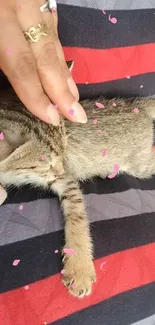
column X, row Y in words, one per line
column 44, row 216
column 111, row 4
column 146, row 321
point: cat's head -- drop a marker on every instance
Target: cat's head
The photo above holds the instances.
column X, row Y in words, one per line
column 30, row 162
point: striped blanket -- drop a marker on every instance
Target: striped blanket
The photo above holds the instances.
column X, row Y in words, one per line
column 113, row 44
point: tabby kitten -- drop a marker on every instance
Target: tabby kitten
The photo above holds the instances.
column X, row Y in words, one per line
column 57, row 158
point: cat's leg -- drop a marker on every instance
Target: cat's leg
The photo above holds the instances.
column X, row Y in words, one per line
column 3, row 194
column 79, row 272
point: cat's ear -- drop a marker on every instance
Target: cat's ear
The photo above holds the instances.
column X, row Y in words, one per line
column 25, row 156
column 3, row 194
column 10, row 141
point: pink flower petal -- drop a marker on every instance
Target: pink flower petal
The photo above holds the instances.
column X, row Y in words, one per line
column 53, row 10
column 102, row 265
column 21, row 207
column 116, row 168
column 99, row 131
column 62, row 272
column 103, row 11
column 136, row 110
column 94, row 121
column 112, row 175
column 141, row 86
column 43, row 157
column 9, row 52
column 114, row 104
column 104, row 152
column 128, row 77
column 15, row 262
column 69, row 251
column 1, row 136
column 113, row 20
column 73, row 285
column 26, row 287
column 56, row 251
column 71, row 111
column 99, row 105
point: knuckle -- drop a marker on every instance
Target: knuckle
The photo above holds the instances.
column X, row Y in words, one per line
column 48, row 57
column 24, row 67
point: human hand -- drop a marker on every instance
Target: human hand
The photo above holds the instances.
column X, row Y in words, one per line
column 37, row 71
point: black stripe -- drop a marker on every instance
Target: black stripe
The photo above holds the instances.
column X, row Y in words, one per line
column 87, row 27
column 97, row 186
column 122, row 88
column 126, row 308
column 37, row 256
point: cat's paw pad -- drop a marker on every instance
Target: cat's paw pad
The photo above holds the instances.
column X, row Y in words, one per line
column 78, row 276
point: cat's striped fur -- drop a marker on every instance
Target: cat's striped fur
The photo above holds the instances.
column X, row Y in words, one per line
column 73, row 153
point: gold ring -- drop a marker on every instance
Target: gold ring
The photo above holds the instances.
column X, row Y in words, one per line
column 34, row 33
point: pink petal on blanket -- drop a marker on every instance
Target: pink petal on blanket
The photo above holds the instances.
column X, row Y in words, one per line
column 1, row 136
column 104, row 152
column 15, row 262
column 103, row 11
column 99, row 105
column 112, row 175
column 136, row 110
column 26, row 287
column 43, row 157
column 95, row 122
column 116, row 168
column 62, row 272
column 56, row 251
column 69, row 251
column 113, row 20
column 21, row 207
column 102, row 265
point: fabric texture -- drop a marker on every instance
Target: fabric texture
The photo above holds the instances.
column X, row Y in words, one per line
column 112, row 58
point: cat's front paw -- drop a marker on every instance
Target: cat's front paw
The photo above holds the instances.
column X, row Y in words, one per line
column 79, row 274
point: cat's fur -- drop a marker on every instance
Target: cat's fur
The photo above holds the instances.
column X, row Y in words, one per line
column 73, row 153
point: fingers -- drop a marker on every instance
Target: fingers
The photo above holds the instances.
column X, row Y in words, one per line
column 52, row 23
column 18, row 64
column 50, row 70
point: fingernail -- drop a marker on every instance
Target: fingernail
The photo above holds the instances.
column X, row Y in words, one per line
column 73, row 88
column 78, row 113
column 53, row 115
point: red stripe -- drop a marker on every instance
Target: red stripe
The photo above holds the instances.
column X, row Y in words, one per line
column 48, row 300
column 95, row 66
